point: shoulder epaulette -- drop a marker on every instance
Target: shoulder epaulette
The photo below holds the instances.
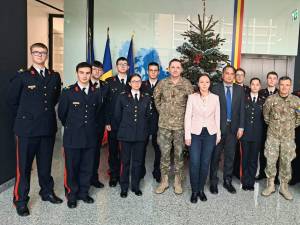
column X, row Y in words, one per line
column 21, row 70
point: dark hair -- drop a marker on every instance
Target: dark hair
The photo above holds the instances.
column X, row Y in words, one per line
column 83, row 65
column 38, row 45
column 175, row 60
column 272, row 73
column 228, row 66
column 153, row 64
column 121, row 59
column 97, row 64
column 255, row 78
column 204, row 75
column 285, row 78
column 134, row 75
column 240, row 69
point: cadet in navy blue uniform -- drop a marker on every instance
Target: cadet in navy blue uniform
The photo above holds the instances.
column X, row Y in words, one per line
column 115, row 86
column 77, row 111
column 240, row 79
column 272, row 80
column 97, row 71
column 32, row 96
column 148, row 87
column 252, row 138
column 132, row 113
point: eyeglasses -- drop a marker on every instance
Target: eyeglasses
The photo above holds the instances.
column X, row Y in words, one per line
column 136, row 81
column 37, row 53
column 122, row 64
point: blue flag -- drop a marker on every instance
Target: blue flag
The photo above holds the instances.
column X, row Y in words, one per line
column 107, row 63
column 130, row 58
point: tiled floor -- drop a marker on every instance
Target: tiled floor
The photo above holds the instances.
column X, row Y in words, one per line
column 168, row 208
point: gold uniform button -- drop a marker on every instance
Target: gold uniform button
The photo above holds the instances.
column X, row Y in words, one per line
column 86, row 106
column 45, row 87
column 85, row 116
column 46, row 109
column 45, row 94
column 134, row 120
column 45, row 101
column 85, row 121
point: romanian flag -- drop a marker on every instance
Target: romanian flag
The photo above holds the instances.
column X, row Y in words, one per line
column 130, row 58
column 107, row 64
column 237, row 34
column 90, row 52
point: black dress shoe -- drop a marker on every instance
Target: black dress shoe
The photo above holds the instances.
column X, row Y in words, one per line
column 138, row 192
column 245, row 187
column 23, row 210
column 97, row 184
column 213, row 189
column 72, row 204
column 123, row 194
column 194, row 197
column 228, row 186
column 52, row 198
column 202, row 196
column 87, row 199
column 250, row 188
column 113, row 182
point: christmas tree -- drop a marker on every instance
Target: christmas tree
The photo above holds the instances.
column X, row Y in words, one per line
column 200, row 53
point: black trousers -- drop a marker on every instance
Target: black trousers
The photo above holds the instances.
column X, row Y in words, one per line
column 114, row 155
column 250, row 151
column 131, row 153
column 227, row 143
column 157, row 156
column 95, row 175
column 78, row 171
column 26, row 149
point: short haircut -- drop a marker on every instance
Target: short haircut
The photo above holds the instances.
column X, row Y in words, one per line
column 285, row 78
column 255, row 78
column 228, row 66
column 38, row 45
column 175, row 60
column 83, row 65
column 121, row 59
column 97, row 64
column 272, row 73
column 134, row 75
column 240, row 69
column 153, row 64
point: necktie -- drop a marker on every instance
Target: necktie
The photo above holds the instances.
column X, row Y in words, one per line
column 122, row 81
column 228, row 103
column 83, row 89
column 136, row 97
column 254, row 99
column 42, row 73
column 96, row 84
column 271, row 92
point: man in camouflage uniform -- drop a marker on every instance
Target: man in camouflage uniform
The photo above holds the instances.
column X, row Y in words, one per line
column 170, row 96
column 282, row 115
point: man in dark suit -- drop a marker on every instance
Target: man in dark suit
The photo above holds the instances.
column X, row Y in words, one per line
column 148, row 87
column 240, row 79
column 231, row 98
column 32, row 96
column 97, row 71
column 77, row 111
column 272, row 80
column 115, row 86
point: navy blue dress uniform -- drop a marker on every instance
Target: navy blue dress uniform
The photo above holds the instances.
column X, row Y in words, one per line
column 153, row 128
column 132, row 118
column 115, row 87
column 251, row 139
column 101, row 124
column 77, row 111
column 32, row 98
column 262, row 159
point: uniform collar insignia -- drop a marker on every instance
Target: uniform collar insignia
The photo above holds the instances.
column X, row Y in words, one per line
column 76, row 88
column 129, row 95
column 92, row 88
column 32, row 72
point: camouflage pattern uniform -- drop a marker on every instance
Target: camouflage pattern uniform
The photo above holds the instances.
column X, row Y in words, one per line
column 170, row 100
column 282, row 115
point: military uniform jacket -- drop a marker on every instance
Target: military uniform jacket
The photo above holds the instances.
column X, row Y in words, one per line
column 170, row 101
column 114, row 89
column 265, row 93
column 132, row 117
column 32, row 99
column 146, row 88
column 282, row 115
column 254, row 120
column 77, row 112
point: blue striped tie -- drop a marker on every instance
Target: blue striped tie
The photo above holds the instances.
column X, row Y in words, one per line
column 228, row 103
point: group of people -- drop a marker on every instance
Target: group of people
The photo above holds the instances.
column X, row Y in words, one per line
column 170, row 112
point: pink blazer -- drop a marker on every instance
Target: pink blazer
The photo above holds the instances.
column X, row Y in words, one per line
column 199, row 113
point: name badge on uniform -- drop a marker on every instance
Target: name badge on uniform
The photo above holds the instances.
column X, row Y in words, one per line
column 31, row 87
column 76, row 103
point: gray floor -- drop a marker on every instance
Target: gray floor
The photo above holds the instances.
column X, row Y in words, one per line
column 167, row 208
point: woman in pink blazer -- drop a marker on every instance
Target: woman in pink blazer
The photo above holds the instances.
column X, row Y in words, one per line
column 202, row 133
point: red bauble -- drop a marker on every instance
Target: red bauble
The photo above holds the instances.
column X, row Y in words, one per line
column 198, row 58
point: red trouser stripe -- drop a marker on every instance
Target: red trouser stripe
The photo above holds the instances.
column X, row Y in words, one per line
column 16, row 192
column 66, row 174
column 241, row 161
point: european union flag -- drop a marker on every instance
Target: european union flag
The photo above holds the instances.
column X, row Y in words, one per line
column 130, row 58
